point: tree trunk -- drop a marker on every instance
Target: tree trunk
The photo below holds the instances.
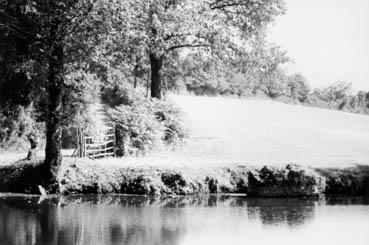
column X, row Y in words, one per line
column 81, row 149
column 156, row 63
column 136, row 72
column 53, row 156
column 135, row 82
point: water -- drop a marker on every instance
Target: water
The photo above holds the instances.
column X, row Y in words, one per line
column 182, row 220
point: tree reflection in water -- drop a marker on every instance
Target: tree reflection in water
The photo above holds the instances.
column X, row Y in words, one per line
column 110, row 219
column 292, row 212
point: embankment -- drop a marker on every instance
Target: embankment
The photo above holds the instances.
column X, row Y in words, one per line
column 20, row 177
column 90, row 177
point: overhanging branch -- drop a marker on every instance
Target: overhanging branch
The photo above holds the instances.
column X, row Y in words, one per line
column 188, row 45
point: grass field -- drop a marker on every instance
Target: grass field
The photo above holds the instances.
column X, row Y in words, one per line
column 229, row 131
column 273, row 133
column 7, row 158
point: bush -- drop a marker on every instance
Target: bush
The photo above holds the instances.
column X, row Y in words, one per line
column 137, row 129
column 120, row 95
column 298, row 88
column 144, row 124
column 16, row 125
column 172, row 121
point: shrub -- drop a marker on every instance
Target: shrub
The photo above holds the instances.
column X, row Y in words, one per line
column 120, row 95
column 172, row 121
column 298, row 88
column 137, row 129
column 144, row 124
column 16, row 125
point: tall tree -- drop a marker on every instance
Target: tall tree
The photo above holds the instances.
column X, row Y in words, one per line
column 219, row 27
column 56, row 49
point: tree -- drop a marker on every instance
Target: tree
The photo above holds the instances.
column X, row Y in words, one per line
column 298, row 87
column 363, row 98
column 254, row 70
column 219, row 27
column 265, row 61
column 334, row 92
column 56, row 51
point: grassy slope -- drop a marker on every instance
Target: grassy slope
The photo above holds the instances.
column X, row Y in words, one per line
column 265, row 132
column 256, row 132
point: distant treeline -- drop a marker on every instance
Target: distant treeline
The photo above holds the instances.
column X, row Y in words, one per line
column 260, row 75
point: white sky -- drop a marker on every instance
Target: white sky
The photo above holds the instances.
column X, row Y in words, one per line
column 327, row 39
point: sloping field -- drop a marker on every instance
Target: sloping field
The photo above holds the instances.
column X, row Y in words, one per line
column 267, row 132
column 229, row 131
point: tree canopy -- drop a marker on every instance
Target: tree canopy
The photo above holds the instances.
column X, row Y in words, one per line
column 219, row 28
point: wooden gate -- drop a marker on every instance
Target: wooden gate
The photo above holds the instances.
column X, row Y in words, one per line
column 93, row 148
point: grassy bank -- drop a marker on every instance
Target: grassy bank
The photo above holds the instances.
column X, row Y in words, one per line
column 87, row 176
column 20, row 177
column 84, row 176
column 346, row 181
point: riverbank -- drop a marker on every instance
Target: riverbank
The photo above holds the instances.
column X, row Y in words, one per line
column 84, row 176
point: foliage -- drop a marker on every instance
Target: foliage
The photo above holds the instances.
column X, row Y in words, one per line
column 256, row 71
column 60, row 83
column 291, row 181
column 54, row 46
column 120, row 94
column 347, row 181
column 88, row 177
column 334, row 92
column 138, row 127
column 260, row 73
column 16, row 127
column 299, row 89
column 164, row 26
column 172, row 121
column 158, row 29
column 338, row 96
column 144, row 124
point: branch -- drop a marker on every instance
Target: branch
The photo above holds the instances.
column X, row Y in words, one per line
column 224, row 4
column 21, row 34
column 186, row 46
column 168, row 37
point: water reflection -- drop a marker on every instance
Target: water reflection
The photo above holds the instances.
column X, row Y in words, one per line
column 292, row 212
column 144, row 220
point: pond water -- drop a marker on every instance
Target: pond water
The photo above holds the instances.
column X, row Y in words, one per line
column 136, row 220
